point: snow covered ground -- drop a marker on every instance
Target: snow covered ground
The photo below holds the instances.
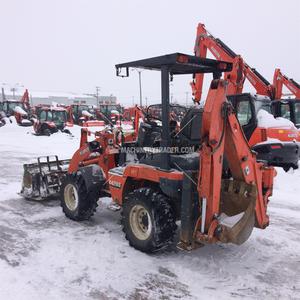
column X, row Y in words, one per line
column 44, row 255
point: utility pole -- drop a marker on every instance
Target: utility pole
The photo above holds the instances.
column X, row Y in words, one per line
column 146, row 98
column 14, row 91
column 3, row 94
column 15, row 88
column 140, row 84
column 97, row 95
column 186, row 98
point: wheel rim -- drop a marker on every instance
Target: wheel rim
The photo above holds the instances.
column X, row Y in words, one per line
column 71, row 197
column 140, row 222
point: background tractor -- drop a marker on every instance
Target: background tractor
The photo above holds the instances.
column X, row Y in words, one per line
column 50, row 119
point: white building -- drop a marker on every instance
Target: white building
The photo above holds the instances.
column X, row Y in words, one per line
column 65, row 98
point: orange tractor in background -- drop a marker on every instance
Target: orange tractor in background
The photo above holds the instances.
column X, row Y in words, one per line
column 109, row 113
column 280, row 80
column 51, row 118
column 274, row 141
column 167, row 184
column 287, row 108
column 20, row 109
column 84, row 115
column 81, row 113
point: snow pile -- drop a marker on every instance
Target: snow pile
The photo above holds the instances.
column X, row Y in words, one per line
column 230, row 221
column 267, row 120
column 22, row 140
column 20, row 110
column 86, row 114
column 26, row 122
column 115, row 112
column 54, row 104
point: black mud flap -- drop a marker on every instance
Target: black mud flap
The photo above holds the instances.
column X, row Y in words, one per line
column 189, row 212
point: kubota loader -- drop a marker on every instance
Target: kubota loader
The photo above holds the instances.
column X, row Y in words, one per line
column 165, row 186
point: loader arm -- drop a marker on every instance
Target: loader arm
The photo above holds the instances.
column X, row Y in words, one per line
column 222, row 137
column 100, row 151
column 240, row 71
column 281, row 80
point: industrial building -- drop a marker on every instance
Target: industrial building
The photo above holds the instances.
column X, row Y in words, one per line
column 64, row 98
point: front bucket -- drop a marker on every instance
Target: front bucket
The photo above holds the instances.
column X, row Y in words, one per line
column 237, row 211
column 42, row 180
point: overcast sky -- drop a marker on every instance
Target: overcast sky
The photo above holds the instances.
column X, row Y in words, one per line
column 73, row 45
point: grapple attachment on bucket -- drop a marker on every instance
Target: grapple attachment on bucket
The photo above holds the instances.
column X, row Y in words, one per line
column 237, row 211
column 42, row 180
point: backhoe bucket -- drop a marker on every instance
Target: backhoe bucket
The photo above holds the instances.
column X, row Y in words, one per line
column 237, row 209
column 42, row 180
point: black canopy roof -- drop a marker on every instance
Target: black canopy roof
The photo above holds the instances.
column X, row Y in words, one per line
column 178, row 63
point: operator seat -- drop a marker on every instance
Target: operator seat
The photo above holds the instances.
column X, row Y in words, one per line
column 188, row 136
column 190, row 128
column 148, row 135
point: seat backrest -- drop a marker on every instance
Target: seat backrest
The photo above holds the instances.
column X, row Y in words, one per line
column 147, row 134
column 190, row 126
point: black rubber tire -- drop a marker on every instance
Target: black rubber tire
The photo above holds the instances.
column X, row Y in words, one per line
column 286, row 168
column 162, row 217
column 46, row 132
column 87, row 200
column 67, row 131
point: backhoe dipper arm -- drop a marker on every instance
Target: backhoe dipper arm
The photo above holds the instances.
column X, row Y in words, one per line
column 70, row 114
column 261, row 84
column 281, row 80
column 223, row 136
column 25, row 99
column 205, row 41
column 240, row 71
column 138, row 114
